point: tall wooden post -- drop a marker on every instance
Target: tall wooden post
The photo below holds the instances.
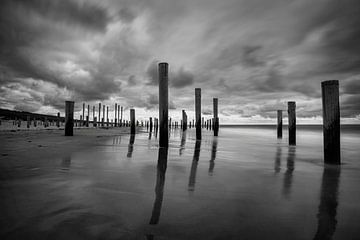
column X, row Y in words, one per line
column 115, row 123
column 216, row 117
column 103, row 119
column 279, row 124
column 93, row 112
column 88, row 117
column 163, row 105
column 184, row 120
column 198, row 112
column 99, row 119
column 292, row 123
column 132, row 119
column 331, row 121
column 151, row 124
column 69, row 118
column 83, row 119
column 107, row 116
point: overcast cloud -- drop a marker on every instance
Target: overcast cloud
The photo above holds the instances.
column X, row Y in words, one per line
column 254, row 55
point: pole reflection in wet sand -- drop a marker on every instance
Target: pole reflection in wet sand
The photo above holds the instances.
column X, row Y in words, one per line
column 131, row 145
column 182, row 143
column 160, row 182
column 192, row 178
column 328, row 203
column 66, row 163
column 288, row 175
column 277, row 166
column 213, row 155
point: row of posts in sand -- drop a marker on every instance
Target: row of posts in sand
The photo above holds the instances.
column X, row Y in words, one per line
column 331, row 117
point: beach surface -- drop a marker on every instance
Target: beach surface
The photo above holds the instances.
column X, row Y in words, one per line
column 244, row 184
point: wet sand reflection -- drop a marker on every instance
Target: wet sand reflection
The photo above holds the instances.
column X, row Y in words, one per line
column 192, row 178
column 213, row 155
column 182, row 143
column 131, row 145
column 66, row 163
column 160, row 182
column 277, row 166
column 288, row 175
column 328, row 203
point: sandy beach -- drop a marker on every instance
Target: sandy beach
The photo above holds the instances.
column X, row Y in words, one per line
column 24, row 146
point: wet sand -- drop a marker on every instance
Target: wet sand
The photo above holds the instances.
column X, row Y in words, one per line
column 244, row 184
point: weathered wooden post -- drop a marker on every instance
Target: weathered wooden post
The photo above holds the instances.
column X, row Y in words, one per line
column 99, row 114
column 331, row 121
column 88, row 116
column 107, row 116
column 292, row 123
column 202, row 122
column 69, row 118
column 115, row 123
column 83, row 123
column 279, row 124
column 163, row 105
column 95, row 122
column 132, row 119
column 216, row 117
column 198, row 112
column 28, row 122
column 58, row 120
column 151, row 124
column 103, row 119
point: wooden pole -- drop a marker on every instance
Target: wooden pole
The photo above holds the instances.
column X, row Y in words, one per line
column 198, row 112
column 121, row 113
column 88, row 116
column 118, row 116
column 151, row 124
column 115, row 123
column 292, row 123
column 69, row 118
column 132, row 119
column 279, row 124
column 216, row 117
column 83, row 123
column 107, row 116
column 103, row 119
column 331, row 121
column 99, row 119
column 28, row 121
column 163, row 105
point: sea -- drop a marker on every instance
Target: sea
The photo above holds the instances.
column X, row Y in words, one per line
column 244, row 183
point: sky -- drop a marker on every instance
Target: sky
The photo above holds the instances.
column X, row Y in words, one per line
column 253, row 55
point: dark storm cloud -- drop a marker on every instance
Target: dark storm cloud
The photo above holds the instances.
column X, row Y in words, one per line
column 350, row 106
column 352, row 86
column 181, row 79
column 132, row 80
column 80, row 13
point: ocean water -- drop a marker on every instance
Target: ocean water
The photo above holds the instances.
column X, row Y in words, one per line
column 243, row 184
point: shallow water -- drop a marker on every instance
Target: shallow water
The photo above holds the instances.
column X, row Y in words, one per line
column 244, row 184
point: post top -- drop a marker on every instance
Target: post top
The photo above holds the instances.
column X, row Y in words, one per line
column 69, row 101
column 330, row 82
column 197, row 89
column 291, row 103
column 163, row 63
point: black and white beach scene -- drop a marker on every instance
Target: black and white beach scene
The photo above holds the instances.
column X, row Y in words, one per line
column 188, row 119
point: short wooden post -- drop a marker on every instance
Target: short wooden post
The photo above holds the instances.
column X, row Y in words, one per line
column 88, row 116
column 292, row 123
column 132, row 119
column 69, row 118
column 163, row 104
column 107, row 116
column 94, row 116
column 279, row 124
column 331, row 121
column 95, row 122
